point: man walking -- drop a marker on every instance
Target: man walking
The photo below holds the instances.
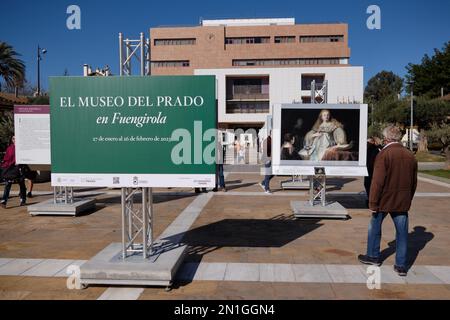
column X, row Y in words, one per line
column 267, row 160
column 220, row 159
column 393, row 186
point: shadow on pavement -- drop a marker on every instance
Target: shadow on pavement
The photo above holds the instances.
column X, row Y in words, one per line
column 238, row 186
column 253, row 233
column 357, row 201
column 335, row 184
column 417, row 240
column 116, row 199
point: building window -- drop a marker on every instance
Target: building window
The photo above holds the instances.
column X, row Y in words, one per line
column 174, row 42
column 276, row 62
column 308, row 78
column 164, row 64
column 284, row 39
column 247, row 88
column 247, row 107
column 247, row 94
column 338, row 38
column 247, row 40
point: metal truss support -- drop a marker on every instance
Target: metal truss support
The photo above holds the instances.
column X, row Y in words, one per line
column 139, row 49
column 317, row 187
column 137, row 223
column 319, row 91
column 62, row 195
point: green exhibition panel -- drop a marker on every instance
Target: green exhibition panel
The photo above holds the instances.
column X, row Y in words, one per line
column 151, row 131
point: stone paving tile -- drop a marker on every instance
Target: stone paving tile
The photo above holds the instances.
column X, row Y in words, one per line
column 345, row 273
column 420, row 274
column 46, row 288
column 283, row 273
column 63, row 273
column 48, row 268
column 202, row 290
column 442, row 273
column 211, row 271
column 13, row 294
column 266, row 272
column 246, row 290
column 4, row 261
column 19, row 266
column 392, row 291
column 242, row 272
column 121, row 293
column 311, row 273
column 297, row 291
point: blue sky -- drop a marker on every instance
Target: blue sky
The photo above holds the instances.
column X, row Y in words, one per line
column 409, row 29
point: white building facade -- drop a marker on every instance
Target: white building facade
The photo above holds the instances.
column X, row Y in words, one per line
column 245, row 96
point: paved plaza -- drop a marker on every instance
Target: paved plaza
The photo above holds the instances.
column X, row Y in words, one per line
column 242, row 244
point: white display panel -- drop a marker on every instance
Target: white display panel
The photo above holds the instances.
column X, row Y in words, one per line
column 32, row 132
column 333, row 136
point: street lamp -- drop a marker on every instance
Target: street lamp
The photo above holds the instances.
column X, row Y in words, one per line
column 40, row 52
column 372, row 104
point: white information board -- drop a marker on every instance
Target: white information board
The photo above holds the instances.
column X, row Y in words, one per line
column 332, row 136
column 32, row 132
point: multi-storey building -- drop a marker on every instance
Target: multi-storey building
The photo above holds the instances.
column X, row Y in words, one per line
column 260, row 62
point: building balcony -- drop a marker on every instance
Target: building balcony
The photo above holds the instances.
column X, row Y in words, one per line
column 248, row 97
column 247, row 107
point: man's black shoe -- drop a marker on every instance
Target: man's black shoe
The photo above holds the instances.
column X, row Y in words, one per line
column 369, row 260
column 401, row 271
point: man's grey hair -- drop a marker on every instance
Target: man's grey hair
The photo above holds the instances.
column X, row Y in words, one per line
column 392, row 133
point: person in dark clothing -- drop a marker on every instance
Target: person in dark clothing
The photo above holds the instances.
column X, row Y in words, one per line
column 392, row 189
column 30, row 175
column 267, row 160
column 297, row 131
column 220, row 158
column 373, row 148
column 8, row 165
column 287, row 149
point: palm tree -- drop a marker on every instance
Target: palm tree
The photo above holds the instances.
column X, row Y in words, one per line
column 12, row 69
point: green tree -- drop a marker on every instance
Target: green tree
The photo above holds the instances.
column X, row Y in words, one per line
column 39, row 100
column 383, row 85
column 432, row 74
column 6, row 129
column 391, row 110
column 441, row 133
column 12, row 69
column 429, row 111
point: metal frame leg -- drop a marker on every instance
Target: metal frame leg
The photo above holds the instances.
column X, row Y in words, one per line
column 319, row 195
column 137, row 223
